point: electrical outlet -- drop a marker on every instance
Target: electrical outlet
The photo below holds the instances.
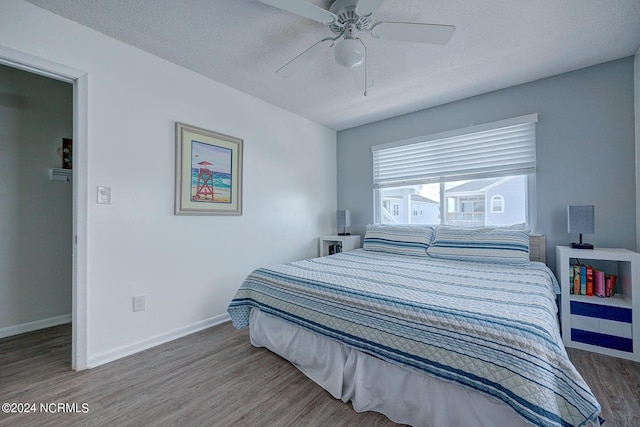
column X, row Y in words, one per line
column 138, row 303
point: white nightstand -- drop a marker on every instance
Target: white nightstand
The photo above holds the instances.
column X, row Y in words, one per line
column 348, row 243
column 604, row 325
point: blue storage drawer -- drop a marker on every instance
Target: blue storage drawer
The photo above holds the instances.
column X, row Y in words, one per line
column 601, row 325
column 602, row 340
column 618, row 314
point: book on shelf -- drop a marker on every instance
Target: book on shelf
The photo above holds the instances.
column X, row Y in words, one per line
column 335, row 249
column 598, row 283
column 610, row 285
column 576, row 279
column 589, row 281
column 571, row 279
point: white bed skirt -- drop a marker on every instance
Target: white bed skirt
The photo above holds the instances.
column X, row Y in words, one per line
column 372, row 384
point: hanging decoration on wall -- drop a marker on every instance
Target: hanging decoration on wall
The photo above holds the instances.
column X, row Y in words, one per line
column 66, row 153
column 208, row 172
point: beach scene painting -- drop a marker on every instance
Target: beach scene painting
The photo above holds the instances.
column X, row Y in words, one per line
column 208, row 172
column 211, row 168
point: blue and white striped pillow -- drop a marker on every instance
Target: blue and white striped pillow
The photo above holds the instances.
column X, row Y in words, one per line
column 502, row 246
column 410, row 239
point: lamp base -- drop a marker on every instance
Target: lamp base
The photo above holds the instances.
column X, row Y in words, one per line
column 581, row 246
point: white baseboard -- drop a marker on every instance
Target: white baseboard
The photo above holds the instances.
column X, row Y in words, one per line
column 35, row 325
column 127, row 350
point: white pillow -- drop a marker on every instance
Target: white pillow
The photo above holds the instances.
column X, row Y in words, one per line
column 409, row 239
column 496, row 245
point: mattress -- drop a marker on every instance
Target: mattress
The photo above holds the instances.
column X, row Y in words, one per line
column 489, row 328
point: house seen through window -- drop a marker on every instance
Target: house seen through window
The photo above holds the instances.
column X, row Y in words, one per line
column 465, row 202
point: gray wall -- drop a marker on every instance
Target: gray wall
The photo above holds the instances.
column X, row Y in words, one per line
column 585, row 149
column 35, row 212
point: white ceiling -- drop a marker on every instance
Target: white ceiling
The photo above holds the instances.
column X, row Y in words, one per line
column 497, row 44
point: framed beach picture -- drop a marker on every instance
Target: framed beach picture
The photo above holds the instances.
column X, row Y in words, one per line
column 208, row 172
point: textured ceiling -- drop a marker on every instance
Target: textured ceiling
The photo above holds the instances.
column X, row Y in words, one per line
column 497, row 44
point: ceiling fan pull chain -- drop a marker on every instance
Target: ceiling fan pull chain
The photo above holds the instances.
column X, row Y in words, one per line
column 365, row 67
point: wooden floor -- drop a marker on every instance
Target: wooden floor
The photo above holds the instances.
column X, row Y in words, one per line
column 216, row 378
column 616, row 384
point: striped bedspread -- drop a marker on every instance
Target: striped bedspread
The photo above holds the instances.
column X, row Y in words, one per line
column 492, row 328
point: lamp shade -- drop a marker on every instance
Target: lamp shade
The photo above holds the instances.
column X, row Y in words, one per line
column 349, row 53
column 580, row 219
column 344, row 218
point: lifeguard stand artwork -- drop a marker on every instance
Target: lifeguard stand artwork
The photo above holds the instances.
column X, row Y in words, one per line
column 204, row 184
column 211, row 168
column 208, row 172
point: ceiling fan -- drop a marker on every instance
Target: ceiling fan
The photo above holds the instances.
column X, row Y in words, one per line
column 348, row 19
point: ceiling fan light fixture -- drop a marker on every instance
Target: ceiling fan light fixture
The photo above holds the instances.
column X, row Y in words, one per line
column 349, row 52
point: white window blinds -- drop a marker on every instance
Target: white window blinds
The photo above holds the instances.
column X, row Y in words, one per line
column 503, row 148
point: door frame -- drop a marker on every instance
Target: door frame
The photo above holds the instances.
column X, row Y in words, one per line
column 79, row 80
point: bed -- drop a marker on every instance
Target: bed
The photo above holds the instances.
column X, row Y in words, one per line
column 431, row 326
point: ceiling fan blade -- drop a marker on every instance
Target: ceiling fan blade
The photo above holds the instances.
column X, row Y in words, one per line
column 413, row 32
column 304, row 9
column 367, row 7
column 303, row 59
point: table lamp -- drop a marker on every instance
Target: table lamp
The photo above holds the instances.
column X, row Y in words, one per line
column 344, row 221
column 580, row 219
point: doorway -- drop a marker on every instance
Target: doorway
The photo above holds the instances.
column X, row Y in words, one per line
column 79, row 80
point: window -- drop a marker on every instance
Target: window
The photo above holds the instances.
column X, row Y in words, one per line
column 497, row 204
column 460, row 177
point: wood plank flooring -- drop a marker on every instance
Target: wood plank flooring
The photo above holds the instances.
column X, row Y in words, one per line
column 616, row 384
column 211, row 378
column 216, row 378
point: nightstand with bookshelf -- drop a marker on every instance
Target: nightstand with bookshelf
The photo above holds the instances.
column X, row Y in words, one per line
column 345, row 242
column 609, row 325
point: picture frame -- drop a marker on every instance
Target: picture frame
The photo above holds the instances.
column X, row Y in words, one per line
column 208, row 172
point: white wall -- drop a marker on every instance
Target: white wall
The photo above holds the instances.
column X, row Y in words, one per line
column 35, row 213
column 636, row 94
column 188, row 267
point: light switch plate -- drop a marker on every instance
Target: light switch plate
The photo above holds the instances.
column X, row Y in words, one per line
column 104, row 195
column 139, row 303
